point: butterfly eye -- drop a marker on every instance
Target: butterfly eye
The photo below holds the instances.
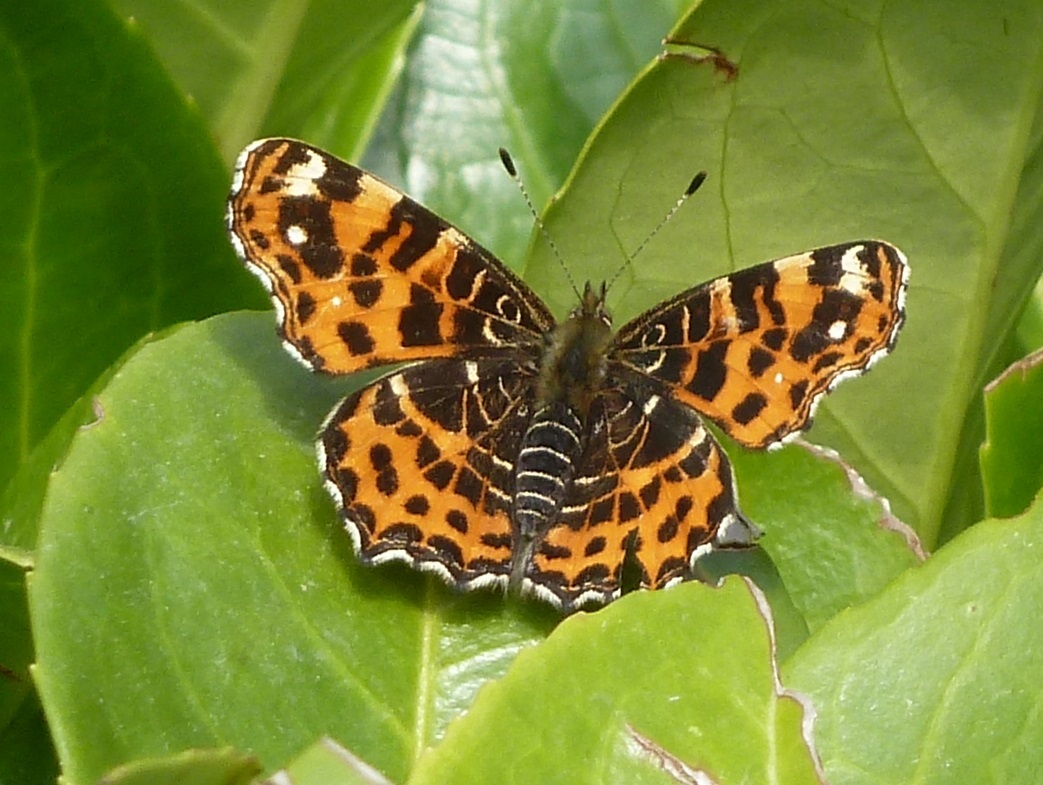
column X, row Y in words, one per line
column 654, row 336
column 508, row 309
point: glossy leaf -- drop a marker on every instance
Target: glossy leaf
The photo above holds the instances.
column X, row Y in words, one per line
column 531, row 77
column 318, row 71
column 253, row 620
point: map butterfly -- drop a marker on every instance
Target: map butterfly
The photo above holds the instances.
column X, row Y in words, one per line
column 514, row 450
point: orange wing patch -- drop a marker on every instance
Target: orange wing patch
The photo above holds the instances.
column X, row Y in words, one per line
column 515, row 451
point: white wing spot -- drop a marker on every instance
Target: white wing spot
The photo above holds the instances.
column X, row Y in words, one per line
column 850, row 262
column 296, row 235
column 398, row 386
column 300, row 180
column 853, row 278
column 837, row 330
column 650, row 405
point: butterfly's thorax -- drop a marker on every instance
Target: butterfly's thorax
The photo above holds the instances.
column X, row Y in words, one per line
column 574, row 360
column 572, row 371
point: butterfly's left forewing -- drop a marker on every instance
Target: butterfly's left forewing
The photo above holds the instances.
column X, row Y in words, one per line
column 362, row 275
column 754, row 351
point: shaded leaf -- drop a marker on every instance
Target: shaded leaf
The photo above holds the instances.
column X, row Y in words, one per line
column 112, row 210
column 1012, row 458
column 16, row 650
column 27, row 756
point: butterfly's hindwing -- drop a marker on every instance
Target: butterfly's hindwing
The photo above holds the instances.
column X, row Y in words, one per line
column 654, row 485
column 421, row 464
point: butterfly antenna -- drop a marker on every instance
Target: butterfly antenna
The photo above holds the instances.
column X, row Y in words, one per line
column 693, row 186
column 508, row 164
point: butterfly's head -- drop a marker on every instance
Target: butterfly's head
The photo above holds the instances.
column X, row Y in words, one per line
column 592, row 305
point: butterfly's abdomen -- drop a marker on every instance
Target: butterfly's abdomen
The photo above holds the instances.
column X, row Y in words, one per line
column 545, row 466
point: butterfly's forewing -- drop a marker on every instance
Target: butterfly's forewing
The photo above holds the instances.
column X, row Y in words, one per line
column 421, row 464
column 362, row 275
column 754, row 351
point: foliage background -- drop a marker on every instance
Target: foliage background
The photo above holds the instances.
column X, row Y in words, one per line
column 189, row 587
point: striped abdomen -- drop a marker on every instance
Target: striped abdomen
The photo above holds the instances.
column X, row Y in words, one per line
column 546, row 464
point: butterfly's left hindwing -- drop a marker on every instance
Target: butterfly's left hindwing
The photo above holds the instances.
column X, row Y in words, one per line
column 421, row 465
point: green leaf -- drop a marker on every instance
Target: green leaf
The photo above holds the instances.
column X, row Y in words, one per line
column 679, row 678
column 938, row 679
column 112, row 204
column 254, row 622
column 327, row 763
column 834, row 543
column 1012, row 458
column 191, row 519
column 194, row 767
column 317, row 71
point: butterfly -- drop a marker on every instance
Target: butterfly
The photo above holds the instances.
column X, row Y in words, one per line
column 514, row 450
